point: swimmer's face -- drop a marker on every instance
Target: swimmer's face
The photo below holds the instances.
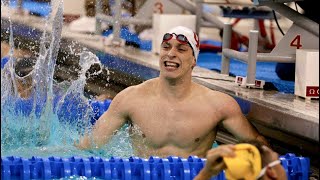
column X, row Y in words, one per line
column 176, row 59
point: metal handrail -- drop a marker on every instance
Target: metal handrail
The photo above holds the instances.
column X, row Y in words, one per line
column 251, row 57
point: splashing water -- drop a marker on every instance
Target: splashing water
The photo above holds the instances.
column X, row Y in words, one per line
column 49, row 121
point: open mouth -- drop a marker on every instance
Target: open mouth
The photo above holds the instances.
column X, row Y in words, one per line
column 171, row 64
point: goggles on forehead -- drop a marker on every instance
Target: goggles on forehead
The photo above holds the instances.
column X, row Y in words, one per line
column 179, row 37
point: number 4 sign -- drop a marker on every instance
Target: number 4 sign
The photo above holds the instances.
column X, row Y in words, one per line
column 296, row 38
column 296, row 42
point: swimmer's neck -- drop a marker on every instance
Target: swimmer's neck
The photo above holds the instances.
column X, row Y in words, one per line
column 179, row 89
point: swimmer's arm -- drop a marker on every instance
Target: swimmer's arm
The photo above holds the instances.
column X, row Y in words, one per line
column 110, row 121
column 238, row 125
column 108, row 124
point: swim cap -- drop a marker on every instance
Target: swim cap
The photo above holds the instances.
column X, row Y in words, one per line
column 192, row 37
column 245, row 165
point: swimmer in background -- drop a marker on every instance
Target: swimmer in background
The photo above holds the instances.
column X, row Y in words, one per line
column 18, row 91
column 216, row 163
column 22, row 75
column 172, row 114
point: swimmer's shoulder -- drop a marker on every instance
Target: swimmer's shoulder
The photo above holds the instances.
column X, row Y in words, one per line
column 140, row 89
column 214, row 95
column 200, row 89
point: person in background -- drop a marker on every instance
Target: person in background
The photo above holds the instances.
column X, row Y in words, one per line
column 23, row 77
column 90, row 8
column 106, row 9
column 23, row 81
column 243, row 161
column 18, row 92
column 171, row 114
column 17, row 53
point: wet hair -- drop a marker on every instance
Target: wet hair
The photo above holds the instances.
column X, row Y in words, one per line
column 24, row 66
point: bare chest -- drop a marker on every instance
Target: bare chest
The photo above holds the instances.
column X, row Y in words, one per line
column 181, row 125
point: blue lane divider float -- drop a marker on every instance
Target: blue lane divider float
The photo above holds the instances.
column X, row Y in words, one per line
column 114, row 168
column 132, row 168
column 297, row 168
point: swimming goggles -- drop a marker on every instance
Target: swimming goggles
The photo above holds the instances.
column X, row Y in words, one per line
column 272, row 164
column 179, row 37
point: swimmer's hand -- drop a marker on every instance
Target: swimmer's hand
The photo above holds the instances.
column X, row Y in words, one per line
column 215, row 163
column 84, row 143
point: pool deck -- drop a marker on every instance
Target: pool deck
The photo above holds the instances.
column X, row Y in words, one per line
column 283, row 117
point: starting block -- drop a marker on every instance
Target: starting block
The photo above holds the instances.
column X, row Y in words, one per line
column 307, row 74
column 242, row 81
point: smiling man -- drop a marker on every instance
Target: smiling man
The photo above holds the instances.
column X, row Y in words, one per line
column 170, row 114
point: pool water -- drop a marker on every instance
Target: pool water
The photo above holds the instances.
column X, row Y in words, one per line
column 56, row 114
column 50, row 126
